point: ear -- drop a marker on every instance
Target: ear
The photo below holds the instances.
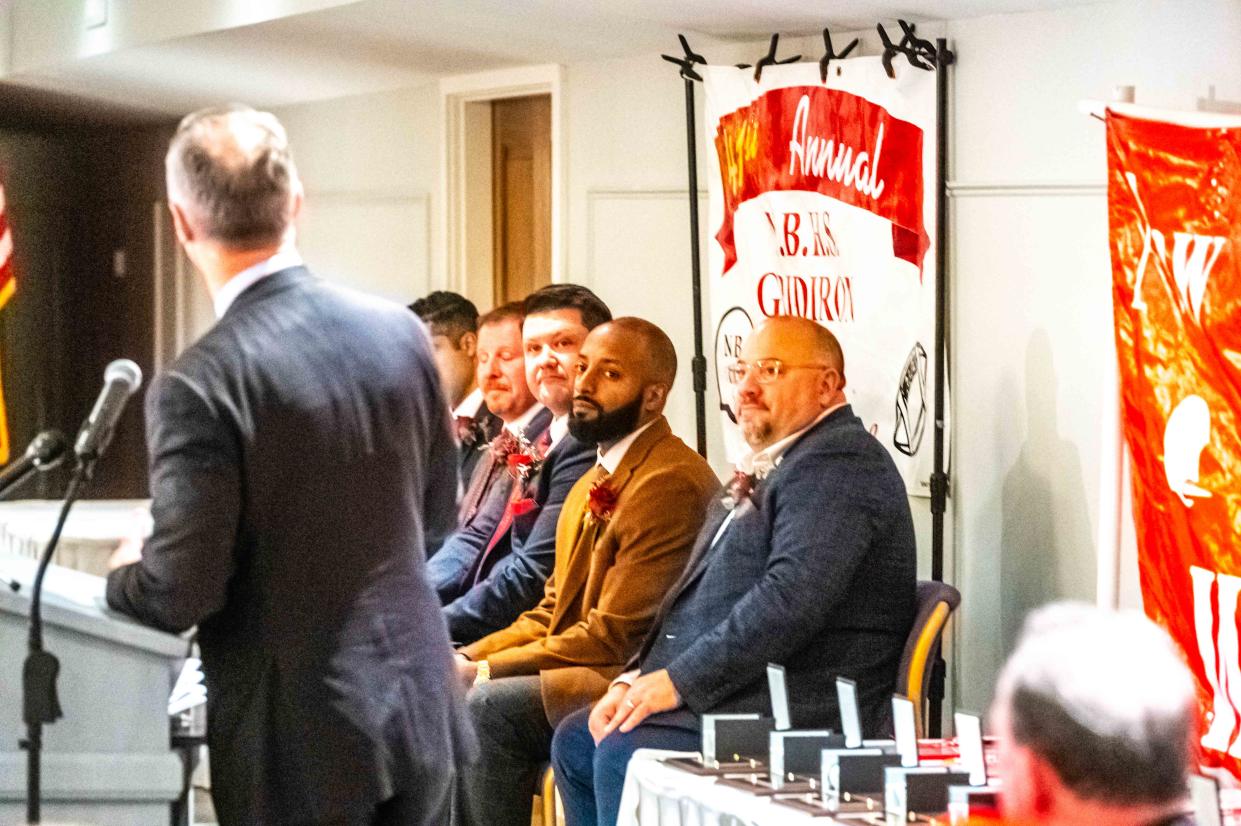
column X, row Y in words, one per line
column 469, row 343
column 654, row 397
column 295, row 207
column 181, row 224
column 1046, row 786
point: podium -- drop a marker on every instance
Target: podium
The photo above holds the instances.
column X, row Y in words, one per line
column 109, row 759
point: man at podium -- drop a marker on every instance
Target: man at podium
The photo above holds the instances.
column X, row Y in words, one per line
column 300, row 452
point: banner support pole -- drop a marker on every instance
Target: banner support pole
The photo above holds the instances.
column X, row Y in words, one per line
column 699, row 363
column 939, row 478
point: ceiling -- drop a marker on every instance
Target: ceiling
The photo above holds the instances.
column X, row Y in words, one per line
column 372, row 45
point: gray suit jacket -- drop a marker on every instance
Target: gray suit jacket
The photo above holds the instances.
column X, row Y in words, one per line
column 299, row 452
column 815, row 572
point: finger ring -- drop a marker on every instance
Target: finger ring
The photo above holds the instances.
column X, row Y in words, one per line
column 631, row 704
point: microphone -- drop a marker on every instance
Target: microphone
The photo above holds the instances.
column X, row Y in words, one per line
column 121, row 378
column 44, row 453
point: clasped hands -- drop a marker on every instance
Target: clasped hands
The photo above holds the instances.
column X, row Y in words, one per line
column 625, row 706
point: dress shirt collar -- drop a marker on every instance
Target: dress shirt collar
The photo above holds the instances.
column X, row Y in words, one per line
column 239, row 283
column 611, row 458
column 470, row 405
column 761, row 462
column 518, row 426
column 557, row 430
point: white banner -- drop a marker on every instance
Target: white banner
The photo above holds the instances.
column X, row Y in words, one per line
column 822, row 205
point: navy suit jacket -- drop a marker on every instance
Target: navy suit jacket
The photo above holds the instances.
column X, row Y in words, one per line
column 450, row 567
column 299, row 452
column 523, row 558
column 815, row 572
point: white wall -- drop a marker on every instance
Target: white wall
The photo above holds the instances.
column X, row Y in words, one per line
column 371, row 167
column 1030, row 290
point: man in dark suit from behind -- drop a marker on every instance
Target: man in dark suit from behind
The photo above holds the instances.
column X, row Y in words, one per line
column 809, row 562
column 502, row 378
column 452, row 320
column 299, row 452
column 510, row 574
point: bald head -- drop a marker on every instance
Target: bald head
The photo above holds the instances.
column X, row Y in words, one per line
column 792, row 370
column 625, row 370
column 802, row 339
column 230, row 172
column 657, row 355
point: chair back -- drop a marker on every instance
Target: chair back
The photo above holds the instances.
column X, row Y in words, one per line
column 935, row 603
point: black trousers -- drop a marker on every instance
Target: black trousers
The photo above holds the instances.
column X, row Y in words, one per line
column 515, row 741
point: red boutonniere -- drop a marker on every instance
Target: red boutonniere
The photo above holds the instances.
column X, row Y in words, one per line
column 742, row 486
column 504, row 445
column 524, row 506
column 601, row 501
column 525, row 461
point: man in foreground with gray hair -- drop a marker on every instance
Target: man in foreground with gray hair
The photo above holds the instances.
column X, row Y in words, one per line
column 300, row 452
column 1095, row 712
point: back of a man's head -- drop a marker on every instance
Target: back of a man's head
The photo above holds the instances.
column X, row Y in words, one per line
column 447, row 314
column 231, row 171
column 1105, row 700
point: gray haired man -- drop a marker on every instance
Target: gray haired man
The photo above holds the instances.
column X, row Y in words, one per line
column 1095, row 712
column 300, row 453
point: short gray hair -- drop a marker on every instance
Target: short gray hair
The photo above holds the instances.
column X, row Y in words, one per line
column 1106, row 699
column 231, row 166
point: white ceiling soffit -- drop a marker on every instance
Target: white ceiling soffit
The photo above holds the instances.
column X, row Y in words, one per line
column 373, row 45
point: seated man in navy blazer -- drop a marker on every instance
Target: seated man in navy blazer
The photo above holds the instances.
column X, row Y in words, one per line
column 509, row 576
column 502, row 377
column 809, row 561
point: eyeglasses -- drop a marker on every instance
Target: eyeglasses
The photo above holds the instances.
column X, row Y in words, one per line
column 766, row 371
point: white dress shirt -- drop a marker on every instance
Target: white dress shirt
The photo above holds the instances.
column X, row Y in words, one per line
column 611, row 458
column 469, row 405
column 557, row 430
column 239, row 283
column 517, row 426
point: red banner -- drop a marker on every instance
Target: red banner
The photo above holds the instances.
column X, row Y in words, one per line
column 1174, row 201
column 816, row 139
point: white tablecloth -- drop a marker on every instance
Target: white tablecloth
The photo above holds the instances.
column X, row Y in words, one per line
column 658, row 795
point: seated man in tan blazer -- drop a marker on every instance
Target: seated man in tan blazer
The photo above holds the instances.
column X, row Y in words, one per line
column 623, row 538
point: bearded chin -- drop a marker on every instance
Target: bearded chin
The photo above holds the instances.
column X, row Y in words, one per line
column 756, row 434
column 607, row 426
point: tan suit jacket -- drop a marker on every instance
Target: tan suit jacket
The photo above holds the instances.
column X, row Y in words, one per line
column 609, row 577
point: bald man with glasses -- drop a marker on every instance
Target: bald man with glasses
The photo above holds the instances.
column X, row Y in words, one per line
column 808, row 561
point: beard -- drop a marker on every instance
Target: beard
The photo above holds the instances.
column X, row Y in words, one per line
column 606, row 425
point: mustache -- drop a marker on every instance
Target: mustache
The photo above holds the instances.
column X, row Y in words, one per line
column 588, row 400
column 496, row 384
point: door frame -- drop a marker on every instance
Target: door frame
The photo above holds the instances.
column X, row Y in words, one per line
column 455, row 94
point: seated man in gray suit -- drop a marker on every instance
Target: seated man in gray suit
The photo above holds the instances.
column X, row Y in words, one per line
column 502, row 377
column 809, row 562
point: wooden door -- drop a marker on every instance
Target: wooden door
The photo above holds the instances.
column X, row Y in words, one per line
column 521, row 163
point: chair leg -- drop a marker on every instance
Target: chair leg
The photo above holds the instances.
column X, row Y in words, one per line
column 549, row 797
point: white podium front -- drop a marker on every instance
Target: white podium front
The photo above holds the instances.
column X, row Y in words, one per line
column 108, row 760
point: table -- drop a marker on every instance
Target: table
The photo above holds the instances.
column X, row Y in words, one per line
column 659, row 795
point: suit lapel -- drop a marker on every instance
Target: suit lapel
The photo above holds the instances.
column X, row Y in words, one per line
column 578, row 569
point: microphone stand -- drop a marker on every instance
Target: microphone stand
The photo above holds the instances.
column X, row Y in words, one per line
column 40, row 705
